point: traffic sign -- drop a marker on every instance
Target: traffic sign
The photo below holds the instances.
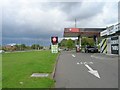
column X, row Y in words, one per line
column 54, row 40
column 54, row 48
column 54, row 44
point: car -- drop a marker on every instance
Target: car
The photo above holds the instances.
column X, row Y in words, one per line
column 91, row 49
column 66, row 49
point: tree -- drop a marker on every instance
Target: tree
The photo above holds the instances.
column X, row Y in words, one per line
column 23, row 46
column 87, row 41
column 63, row 43
column 70, row 44
column 36, row 46
column 33, row 46
column 20, row 46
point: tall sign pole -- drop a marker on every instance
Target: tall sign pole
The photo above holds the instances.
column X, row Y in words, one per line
column 75, row 22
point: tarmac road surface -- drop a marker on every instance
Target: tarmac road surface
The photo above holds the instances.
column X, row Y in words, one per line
column 86, row 70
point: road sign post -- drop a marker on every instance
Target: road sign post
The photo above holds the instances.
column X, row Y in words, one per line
column 54, row 44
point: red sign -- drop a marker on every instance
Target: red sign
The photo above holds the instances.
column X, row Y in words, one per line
column 76, row 30
column 54, row 40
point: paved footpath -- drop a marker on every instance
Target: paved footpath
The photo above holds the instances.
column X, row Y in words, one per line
column 86, row 70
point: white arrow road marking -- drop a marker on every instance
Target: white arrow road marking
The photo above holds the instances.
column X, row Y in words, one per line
column 73, row 55
column 91, row 63
column 94, row 72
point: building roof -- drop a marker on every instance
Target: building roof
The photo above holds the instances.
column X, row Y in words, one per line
column 75, row 32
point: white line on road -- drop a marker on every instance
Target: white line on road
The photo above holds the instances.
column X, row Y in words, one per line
column 73, row 55
column 94, row 72
column 84, row 62
column 78, row 63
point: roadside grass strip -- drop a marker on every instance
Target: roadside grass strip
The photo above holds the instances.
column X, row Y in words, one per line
column 18, row 68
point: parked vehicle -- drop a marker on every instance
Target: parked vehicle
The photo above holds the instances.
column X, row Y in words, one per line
column 91, row 49
column 66, row 49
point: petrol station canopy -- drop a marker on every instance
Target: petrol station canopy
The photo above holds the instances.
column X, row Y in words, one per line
column 84, row 32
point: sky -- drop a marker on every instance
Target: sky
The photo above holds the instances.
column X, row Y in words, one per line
column 35, row 21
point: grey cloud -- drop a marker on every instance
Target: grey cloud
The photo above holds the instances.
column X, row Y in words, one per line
column 81, row 10
column 119, row 12
column 35, row 21
column 28, row 32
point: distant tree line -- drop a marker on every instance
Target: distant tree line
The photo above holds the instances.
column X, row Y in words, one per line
column 19, row 47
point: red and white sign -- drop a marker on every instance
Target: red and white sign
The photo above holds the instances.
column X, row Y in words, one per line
column 75, row 30
column 54, row 39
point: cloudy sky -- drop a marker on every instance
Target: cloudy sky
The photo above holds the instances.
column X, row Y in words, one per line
column 33, row 21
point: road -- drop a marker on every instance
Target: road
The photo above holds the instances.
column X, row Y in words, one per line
column 74, row 70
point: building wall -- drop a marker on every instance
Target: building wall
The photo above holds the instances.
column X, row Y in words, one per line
column 112, row 34
column 119, row 45
column 109, row 45
column 115, row 45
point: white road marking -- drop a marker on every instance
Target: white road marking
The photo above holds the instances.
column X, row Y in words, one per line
column 91, row 62
column 94, row 72
column 73, row 55
column 81, row 62
column 85, row 62
column 78, row 63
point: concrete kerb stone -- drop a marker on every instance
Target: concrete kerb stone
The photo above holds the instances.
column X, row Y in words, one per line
column 55, row 66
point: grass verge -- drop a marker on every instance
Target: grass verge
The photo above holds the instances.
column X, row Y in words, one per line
column 17, row 67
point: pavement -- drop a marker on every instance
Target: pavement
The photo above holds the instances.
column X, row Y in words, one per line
column 86, row 70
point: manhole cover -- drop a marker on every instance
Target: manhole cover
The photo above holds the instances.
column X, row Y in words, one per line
column 39, row 75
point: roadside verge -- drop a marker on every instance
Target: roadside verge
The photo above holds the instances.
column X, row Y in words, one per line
column 55, row 66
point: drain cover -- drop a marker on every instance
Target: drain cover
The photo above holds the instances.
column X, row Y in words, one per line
column 39, row 75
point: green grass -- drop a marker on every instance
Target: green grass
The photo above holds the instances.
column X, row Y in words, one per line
column 17, row 67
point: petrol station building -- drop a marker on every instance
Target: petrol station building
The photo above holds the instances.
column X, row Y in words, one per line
column 110, row 37
column 82, row 32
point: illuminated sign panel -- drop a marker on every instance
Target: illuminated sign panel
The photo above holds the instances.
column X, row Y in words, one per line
column 103, row 33
column 73, row 30
column 54, row 40
column 115, row 45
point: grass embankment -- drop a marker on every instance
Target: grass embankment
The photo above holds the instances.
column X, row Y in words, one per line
column 17, row 67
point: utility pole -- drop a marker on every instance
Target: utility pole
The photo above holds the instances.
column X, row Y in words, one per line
column 75, row 22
